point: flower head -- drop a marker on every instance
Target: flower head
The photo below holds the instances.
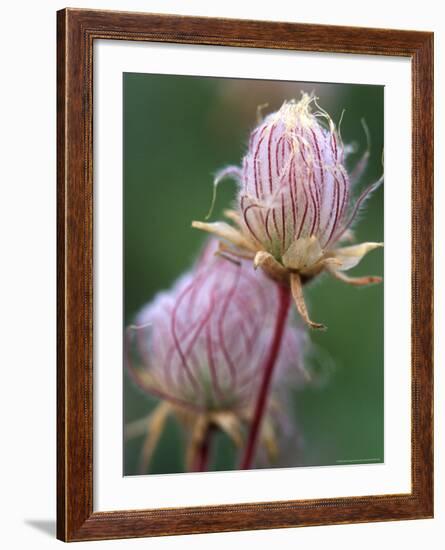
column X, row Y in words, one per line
column 294, row 200
column 201, row 345
column 294, row 184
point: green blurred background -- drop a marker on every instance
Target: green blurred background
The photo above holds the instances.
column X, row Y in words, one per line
column 178, row 131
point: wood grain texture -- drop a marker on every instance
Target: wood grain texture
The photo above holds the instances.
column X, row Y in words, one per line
column 76, row 32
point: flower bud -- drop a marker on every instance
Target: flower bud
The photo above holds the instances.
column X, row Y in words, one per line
column 202, row 344
column 294, row 203
column 294, row 184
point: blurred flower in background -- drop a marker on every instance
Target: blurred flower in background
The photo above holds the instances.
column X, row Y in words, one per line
column 200, row 348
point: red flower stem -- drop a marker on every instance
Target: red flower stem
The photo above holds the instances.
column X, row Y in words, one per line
column 201, row 461
column 284, row 299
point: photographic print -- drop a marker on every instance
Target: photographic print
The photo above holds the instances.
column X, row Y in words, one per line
column 226, row 275
column 253, row 274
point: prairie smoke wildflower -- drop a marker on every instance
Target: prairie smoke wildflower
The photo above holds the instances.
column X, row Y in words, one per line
column 294, row 201
column 200, row 347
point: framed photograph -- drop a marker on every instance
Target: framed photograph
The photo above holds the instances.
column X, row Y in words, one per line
column 245, row 228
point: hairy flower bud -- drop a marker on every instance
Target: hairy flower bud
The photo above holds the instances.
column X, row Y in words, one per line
column 202, row 344
column 294, row 184
column 294, row 201
column 201, row 348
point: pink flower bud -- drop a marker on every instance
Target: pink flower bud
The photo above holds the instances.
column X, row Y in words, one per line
column 294, row 202
column 294, row 184
column 202, row 344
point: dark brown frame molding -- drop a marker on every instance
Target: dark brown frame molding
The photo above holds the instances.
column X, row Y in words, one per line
column 76, row 32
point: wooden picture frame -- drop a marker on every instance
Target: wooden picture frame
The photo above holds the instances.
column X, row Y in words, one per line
column 76, row 32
